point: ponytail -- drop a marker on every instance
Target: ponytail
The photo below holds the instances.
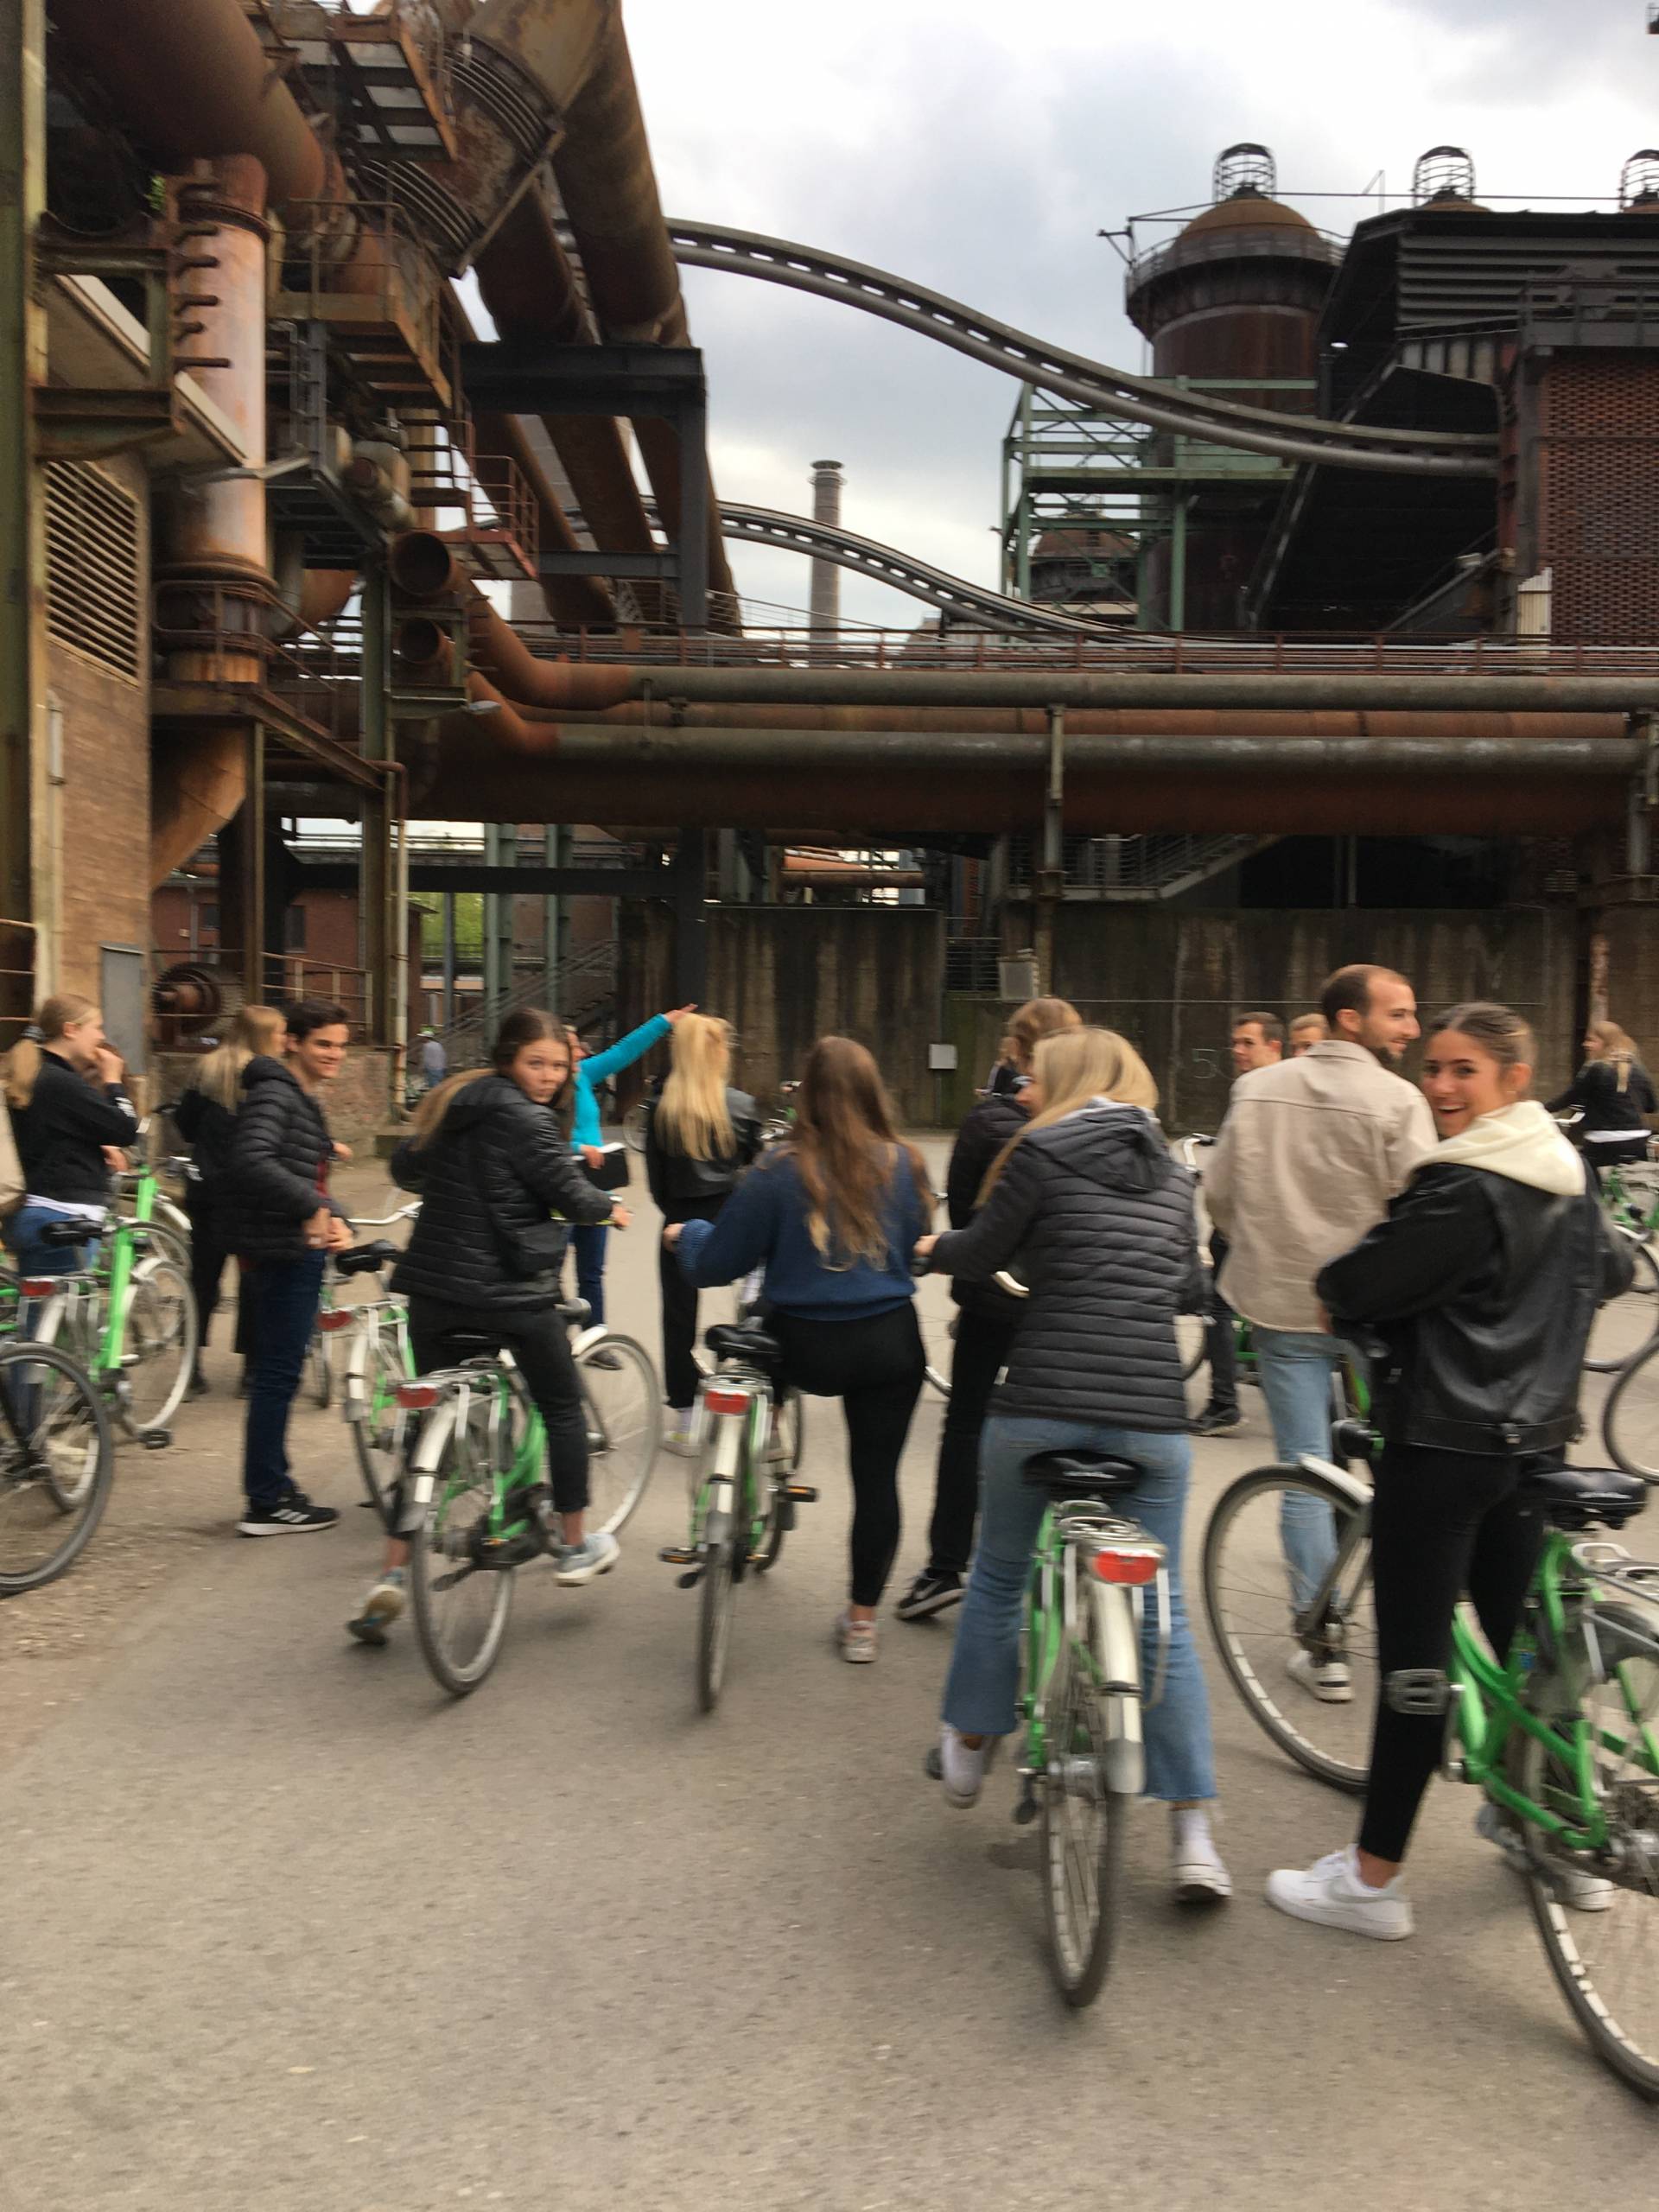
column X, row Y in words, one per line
column 23, row 1062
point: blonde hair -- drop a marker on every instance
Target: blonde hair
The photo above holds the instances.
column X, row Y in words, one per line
column 1073, row 1066
column 1036, row 1019
column 1617, row 1045
column 256, row 1029
column 23, row 1062
column 845, row 1147
column 692, row 1117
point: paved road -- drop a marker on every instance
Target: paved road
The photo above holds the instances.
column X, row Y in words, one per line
column 281, row 1927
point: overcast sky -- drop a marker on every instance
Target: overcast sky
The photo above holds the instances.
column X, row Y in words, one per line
column 979, row 147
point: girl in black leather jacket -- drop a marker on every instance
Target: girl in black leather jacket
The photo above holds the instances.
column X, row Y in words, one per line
column 700, row 1137
column 1483, row 1283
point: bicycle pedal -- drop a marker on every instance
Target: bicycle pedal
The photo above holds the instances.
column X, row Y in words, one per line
column 156, row 1439
column 691, row 1581
column 1025, row 1811
column 677, row 1555
column 802, row 1493
column 1420, row 1690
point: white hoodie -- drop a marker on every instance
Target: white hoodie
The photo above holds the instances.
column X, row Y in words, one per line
column 1519, row 1142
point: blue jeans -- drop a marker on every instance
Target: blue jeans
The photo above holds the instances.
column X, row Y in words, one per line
column 35, row 1258
column 587, row 1241
column 280, row 1299
column 980, row 1690
column 1296, row 1366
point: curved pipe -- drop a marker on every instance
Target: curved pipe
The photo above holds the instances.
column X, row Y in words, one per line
column 325, row 593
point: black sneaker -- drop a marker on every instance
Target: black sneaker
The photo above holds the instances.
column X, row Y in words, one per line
column 930, row 1592
column 1215, row 1421
column 293, row 1515
column 606, row 1359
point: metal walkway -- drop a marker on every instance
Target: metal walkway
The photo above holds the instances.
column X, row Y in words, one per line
column 1074, row 376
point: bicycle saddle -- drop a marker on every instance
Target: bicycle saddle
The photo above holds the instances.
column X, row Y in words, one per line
column 1078, row 1472
column 575, row 1313
column 742, row 1340
column 61, row 1233
column 1577, row 1497
column 366, row 1258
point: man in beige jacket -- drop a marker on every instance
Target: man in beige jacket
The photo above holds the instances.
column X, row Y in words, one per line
column 1309, row 1156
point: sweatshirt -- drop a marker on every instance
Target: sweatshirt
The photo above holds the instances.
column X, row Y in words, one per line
column 765, row 1222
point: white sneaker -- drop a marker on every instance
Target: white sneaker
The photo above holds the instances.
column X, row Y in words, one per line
column 679, row 1439
column 1331, row 1893
column 1328, row 1680
column 1195, row 1865
column 857, row 1639
column 1583, row 1893
column 596, row 1554
column 962, row 1768
column 381, row 1607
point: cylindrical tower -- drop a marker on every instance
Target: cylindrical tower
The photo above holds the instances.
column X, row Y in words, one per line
column 826, row 575
column 1235, row 295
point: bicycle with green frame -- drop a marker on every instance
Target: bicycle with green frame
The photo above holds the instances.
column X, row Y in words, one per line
column 1626, row 1326
column 1559, row 1732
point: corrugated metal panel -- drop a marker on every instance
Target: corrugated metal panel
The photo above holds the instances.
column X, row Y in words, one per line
column 1453, row 279
column 93, row 543
column 1599, row 496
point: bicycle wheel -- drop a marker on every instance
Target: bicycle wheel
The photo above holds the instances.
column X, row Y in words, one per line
column 788, row 1442
column 1627, row 1324
column 161, row 1242
column 716, row 1596
column 158, row 1348
column 57, row 1462
column 381, row 1437
column 1084, row 1823
column 319, row 1368
column 1604, row 1962
column 461, row 1607
column 1630, row 1419
column 625, row 1427
column 1253, row 1612
column 1191, row 1343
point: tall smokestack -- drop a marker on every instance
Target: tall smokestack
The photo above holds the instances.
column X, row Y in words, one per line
column 826, row 576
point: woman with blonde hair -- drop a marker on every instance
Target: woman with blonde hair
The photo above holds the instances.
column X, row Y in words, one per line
column 1614, row 1095
column 69, row 1112
column 700, row 1135
column 986, row 1320
column 205, row 1118
column 1101, row 1220
column 832, row 1216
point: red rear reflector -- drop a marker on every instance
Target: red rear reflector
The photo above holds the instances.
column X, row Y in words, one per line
column 341, row 1319
column 726, row 1402
column 40, row 1286
column 416, row 1397
column 1127, row 1567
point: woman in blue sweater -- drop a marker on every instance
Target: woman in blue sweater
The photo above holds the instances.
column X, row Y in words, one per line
column 833, row 1216
column 588, row 1241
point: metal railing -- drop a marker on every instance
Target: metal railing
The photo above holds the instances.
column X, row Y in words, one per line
column 579, row 986
column 219, row 633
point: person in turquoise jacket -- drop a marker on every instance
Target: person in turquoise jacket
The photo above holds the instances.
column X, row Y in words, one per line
column 588, row 1242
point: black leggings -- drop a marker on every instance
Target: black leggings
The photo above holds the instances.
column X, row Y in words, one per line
column 982, row 1349
column 536, row 1337
column 1442, row 1522
column 208, row 1253
column 874, row 1366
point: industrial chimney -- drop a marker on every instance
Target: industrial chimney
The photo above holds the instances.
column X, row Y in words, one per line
column 826, row 576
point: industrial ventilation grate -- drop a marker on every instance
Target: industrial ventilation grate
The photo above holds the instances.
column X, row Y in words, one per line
column 92, row 584
column 1598, row 497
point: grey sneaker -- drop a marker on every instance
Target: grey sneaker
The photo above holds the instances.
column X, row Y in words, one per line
column 596, row 1554
column 857, row 1639
column 1583, row 1892
column 382, row 1606
column 961, row 1767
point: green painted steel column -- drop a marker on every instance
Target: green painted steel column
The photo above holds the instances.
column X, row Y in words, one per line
column 25, row 966
column 376, row 892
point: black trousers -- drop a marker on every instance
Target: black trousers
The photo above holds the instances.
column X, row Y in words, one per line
column 208, row 1253
column 536, row 1337
column 983, row 1343
column 1442, row 1522
column 875, row 1367
column 680, row 1376
column 1221, row 1346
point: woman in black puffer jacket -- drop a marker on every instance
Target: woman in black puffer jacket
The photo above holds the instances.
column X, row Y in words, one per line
column 986, row 1320
column 490, row 1158
column 1087, row 1207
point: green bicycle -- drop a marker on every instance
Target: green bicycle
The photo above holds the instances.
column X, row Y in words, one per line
column 1560, row 1734
column 1625, row 1327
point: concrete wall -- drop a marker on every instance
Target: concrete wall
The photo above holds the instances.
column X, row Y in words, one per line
column 356, row 1102
column 1173, row 981
column 785, row 975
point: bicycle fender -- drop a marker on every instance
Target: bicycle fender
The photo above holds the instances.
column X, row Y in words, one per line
column 429, row 1452
column 1357, row 1493
column 1117, row 1648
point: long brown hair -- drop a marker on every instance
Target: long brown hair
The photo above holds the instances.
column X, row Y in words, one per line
column 1031, row 1023
column 692, row 1116
column 1073, row 1066
column 528, row 1025
column 23, row 1061
column 256, row 1029
column 845, row 1147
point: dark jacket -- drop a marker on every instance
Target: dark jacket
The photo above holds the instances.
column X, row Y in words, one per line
column 1097, row 1218
column 989, row 1125
column 208, row 1129
column 766, row 1221
column 1483, row 1290
column 277, row 1174
column 491, row 1177
column 1595, row 1091
column 63, row 1131
column 677, row 1181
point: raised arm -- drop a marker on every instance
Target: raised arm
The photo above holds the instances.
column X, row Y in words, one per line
column 599, row 1067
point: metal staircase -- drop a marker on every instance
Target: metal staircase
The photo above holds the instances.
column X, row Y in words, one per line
column 1159, row 867
column 582, row 988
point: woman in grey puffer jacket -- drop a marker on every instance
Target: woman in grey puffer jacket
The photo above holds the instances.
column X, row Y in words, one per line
column 1096, row 1218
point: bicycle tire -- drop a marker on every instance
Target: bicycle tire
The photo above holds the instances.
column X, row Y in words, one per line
column 1625, row 1326
column 158, row 1331
column 1195, row 1350
column 1244, row 1567
column 1083, row 1828
column 165, row 1243
column 1629, row 2050
column 791, row 1420
column 437, row 1568
column 1630, row 1419
column 320, row 1367
column 84, row 1497
column 625, row 1429
column 717, row 1598
column 379, row 1444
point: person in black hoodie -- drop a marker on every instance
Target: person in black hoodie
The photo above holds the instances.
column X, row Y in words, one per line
column 489, row 1155
column 1614, row 1095
column 986, row 1320
column 71, row 1116
column 1483, row 1282
column 700, row 1137
column 205, row 1118
column 281, row 1224
column 1099, row 1220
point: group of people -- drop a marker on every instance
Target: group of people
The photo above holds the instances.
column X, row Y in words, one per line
column 1456, row 1222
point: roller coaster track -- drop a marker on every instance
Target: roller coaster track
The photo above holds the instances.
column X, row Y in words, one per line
column 1074, row 376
